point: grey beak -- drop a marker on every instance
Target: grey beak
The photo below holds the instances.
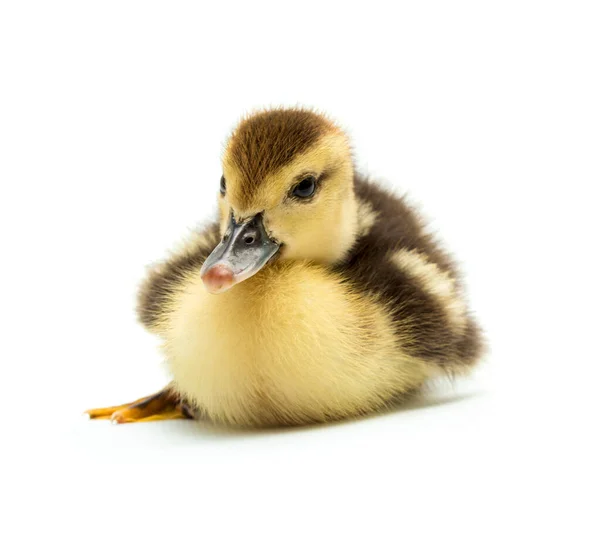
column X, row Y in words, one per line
column 245, row 249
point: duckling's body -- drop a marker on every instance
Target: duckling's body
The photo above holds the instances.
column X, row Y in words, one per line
column 319, row 333
column 313, row 350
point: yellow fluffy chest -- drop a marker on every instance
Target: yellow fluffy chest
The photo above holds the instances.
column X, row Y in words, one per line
column 291, row 345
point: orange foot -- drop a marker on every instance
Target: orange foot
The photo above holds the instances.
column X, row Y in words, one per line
column 164, row 405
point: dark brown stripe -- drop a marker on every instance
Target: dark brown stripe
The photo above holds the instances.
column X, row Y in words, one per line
column 418, row 315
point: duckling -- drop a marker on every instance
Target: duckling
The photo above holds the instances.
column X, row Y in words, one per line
column 316, row 296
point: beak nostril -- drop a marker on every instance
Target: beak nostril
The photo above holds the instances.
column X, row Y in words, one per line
column 249, row 239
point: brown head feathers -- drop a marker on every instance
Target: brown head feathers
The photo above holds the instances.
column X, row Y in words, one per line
column 268, row 140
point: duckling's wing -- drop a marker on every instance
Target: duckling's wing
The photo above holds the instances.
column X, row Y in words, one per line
column 166, row 277
column 399, row 263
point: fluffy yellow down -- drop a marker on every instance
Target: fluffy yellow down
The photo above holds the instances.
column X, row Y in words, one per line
column 292, row 345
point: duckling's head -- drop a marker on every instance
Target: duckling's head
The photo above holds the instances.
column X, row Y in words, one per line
column 286, row 193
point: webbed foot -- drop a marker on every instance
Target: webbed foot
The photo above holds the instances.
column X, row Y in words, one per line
column 163, row 405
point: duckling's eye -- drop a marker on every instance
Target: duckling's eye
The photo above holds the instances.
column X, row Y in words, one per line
column 306, row 188
column 223, row 186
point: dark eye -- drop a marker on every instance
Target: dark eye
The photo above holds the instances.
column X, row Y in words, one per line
column 223, row 186
column 305, row 188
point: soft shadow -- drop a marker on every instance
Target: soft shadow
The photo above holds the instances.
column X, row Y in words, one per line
column 416, row 402
column 424, row 401
column 194, row 430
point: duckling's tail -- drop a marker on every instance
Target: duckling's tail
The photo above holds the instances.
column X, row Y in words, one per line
column 472, row 346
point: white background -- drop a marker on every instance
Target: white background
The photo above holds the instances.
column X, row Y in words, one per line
column 112, row 120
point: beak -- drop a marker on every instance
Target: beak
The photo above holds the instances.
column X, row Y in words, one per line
column 245, row 249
